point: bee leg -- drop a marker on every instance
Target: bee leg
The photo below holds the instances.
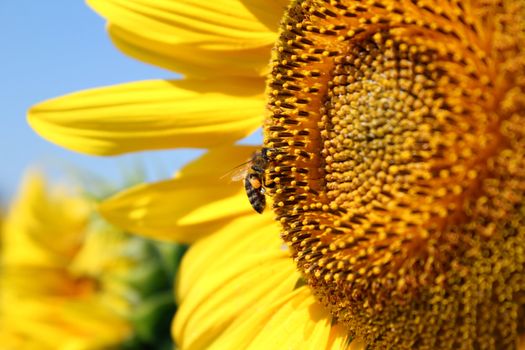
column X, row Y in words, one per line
column 269, row 184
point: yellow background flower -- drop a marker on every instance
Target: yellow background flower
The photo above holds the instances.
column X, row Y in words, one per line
column 59, row 279
column 70, row 281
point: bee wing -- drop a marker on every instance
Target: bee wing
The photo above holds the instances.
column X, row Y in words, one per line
column 238, row 173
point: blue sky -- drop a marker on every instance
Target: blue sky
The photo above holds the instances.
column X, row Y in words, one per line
column 51, row 48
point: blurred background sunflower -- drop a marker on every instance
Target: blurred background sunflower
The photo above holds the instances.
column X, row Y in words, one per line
column 71, row 281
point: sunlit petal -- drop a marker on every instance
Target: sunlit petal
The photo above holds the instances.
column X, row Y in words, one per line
column 243, row 236
column 215, row 302
column 195, row 37
column 194, row 204
column 35, row 208
column 300, row 323
column 295, row 321
column 152, row 115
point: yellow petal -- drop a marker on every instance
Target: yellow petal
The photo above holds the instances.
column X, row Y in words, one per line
column 156, row 210
column 300, row 323
column 152, row 115
column 239, row 290
column 33, row 215
column 55, row 323
column 243, row 237
column 296, row 321
column 218, row 164
column 194, row 204
column 247, row 256
column 198, row 38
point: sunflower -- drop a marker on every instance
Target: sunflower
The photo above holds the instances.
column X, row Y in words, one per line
column 51, row 296
column 394, row 145
column 69, row 281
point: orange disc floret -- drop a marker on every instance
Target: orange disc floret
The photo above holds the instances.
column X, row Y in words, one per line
column 396, row 132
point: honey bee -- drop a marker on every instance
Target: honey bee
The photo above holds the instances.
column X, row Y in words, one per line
column 254, row 183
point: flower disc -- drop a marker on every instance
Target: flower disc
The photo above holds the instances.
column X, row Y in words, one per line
column 396, row 134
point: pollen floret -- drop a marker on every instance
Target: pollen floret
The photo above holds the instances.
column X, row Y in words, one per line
column 397, row 138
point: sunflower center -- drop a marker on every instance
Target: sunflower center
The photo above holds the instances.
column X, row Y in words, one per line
column 397, row 136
